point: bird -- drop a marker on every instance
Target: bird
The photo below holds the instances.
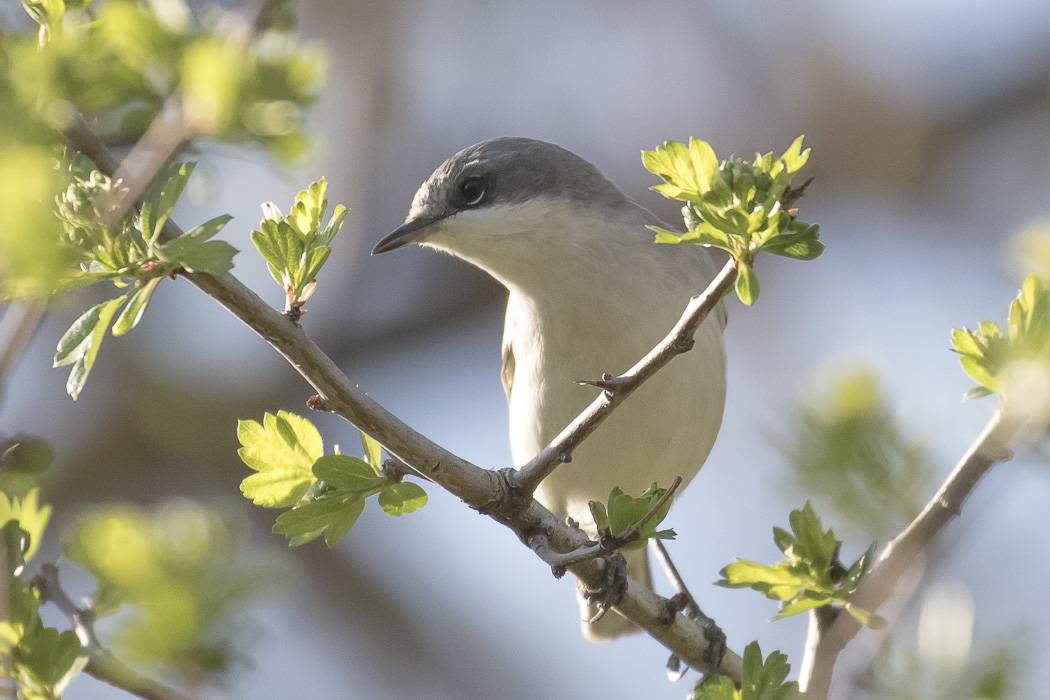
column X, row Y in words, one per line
column 589, row 293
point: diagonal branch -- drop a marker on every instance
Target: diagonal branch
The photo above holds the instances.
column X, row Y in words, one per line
column 491, row 492
column 899, row 554
column 617, row 389
column 102, row 664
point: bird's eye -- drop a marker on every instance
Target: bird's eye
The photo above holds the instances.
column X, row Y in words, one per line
column 472, row 190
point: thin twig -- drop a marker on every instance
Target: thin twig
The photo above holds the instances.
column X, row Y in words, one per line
column 490, row 492
column 677, row 582
column 102, row 664
column 16, row 330
column 676, row 342
column 895, row 558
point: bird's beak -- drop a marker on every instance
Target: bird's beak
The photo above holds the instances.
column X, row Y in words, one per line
column 408, row 232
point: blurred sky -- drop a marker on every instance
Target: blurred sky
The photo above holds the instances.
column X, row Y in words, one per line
column 930, row 132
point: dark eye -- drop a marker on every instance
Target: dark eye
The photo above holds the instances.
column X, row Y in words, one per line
column 472, row 190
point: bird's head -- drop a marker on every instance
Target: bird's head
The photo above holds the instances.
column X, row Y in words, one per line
column 511, row 204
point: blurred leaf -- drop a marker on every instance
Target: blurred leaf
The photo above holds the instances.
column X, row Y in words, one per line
column 846, row 449
column 176, row 574
column 30, row 515
column 46, row 661
column 1005, row 364
column 23, row 459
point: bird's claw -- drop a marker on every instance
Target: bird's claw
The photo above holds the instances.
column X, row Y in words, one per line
column 611, row 591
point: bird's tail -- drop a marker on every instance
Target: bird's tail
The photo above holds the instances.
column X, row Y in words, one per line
column 612, row 624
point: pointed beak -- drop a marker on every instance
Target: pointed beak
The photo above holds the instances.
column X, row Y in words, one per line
column 409, row 232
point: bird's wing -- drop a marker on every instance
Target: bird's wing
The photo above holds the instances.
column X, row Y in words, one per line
column 507, row 371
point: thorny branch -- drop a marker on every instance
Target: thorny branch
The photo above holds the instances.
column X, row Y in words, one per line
column 829, row 637
column 490, row 492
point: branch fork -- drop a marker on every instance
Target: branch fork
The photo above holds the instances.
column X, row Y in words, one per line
column 485, row 490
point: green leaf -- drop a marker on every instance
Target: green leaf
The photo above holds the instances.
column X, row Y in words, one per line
column 196, row 253
column 977, row 392
column 743, row 573
column 794, row 158
column 162, row 196
column 600, row 516
column 132, row 313
column 687, row 171
column 47, row 657
column 402, row 497
column 801, row 605
column 317, row 514
column 624, row 511
column 340, row 525
column 283, row 449
column 334, row 224
column 30, row 516
column 79, row 345
column 315, row 259
column 346, row 473
column 373, row 452
column 801, row 246
column 759, row 680
column 746, row 283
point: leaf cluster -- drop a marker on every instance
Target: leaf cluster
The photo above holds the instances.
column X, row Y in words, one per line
column 128, row 253
column 624, row 512
column 760, row 680
column 810, row 575
column 846, row 446
column 43, row 660
column 123, row 62
column 175, row 575
column 296, row 246
column 325, row 494
column 987, row 354
column 734, row 205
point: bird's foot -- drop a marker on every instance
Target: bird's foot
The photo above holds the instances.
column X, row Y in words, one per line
column 612, row 589
column 713, row 635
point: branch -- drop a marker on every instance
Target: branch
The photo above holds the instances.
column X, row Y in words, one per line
column 688, row 604
column 616, row 389
column 895, row 558
column 16, row 331
column 102, row 664
column 489, row 492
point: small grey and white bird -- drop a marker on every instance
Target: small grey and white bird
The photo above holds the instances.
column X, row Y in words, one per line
column 589, row 293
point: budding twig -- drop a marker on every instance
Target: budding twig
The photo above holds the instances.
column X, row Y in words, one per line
column 481, row 489
column 898, row 555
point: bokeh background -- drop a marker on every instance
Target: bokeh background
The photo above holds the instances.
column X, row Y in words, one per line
column 930, row 129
